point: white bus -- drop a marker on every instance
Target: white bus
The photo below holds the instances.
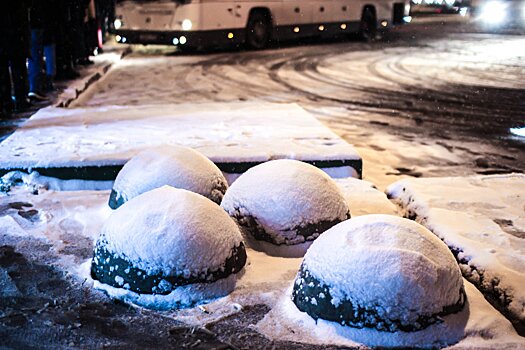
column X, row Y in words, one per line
column 204, row 23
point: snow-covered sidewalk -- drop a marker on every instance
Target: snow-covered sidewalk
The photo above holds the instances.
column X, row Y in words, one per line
column 89, row 75
column 482, row 221
column 235, row 136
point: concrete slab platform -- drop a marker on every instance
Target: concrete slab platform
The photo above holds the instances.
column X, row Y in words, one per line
column 94, row 143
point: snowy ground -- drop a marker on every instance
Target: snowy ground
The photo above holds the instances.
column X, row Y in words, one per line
column 286, row 322
column 53, row 234
column 481, row 219
column 433, row 100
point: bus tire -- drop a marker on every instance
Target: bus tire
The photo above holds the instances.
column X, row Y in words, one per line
column 368, row 25
column 258, row 30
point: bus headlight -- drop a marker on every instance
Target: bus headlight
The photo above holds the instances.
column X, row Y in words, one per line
column 186, row 24
column 117, row 23
column 493, row 12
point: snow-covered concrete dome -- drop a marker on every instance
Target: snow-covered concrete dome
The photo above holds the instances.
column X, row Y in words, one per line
column 176, row 166
column 380, row 272
column 168, row 248
column 283, row 205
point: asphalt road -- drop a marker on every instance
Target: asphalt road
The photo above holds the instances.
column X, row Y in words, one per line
column 435, row 98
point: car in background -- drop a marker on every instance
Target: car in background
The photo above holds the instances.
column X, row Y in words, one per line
column 498, row 13
column 440, row 6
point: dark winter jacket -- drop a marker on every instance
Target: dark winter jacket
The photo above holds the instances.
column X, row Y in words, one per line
column 14, row 27
column 45, row 15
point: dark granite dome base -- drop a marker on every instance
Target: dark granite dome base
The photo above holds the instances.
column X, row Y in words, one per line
column 115, row 200
column 118, row 272
column 310, row 295
column 310, row 232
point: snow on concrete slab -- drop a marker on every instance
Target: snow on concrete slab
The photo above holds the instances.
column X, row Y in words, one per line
column 364, row 198
column 227, row 133
column 482, row 220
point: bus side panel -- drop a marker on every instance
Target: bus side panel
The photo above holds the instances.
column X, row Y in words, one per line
column 322, row 11
column 294, row 13
column 348, row 11
column 219, row 15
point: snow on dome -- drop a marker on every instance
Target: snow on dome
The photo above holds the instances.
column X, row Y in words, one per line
column 168, row 248
column 283, row 205
column 176, row 166
column 384, row 273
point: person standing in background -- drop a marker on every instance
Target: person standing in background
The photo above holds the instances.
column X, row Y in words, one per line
column 14, row 51
column 64, row 40
column 79, row 19
column 37, row 18
column 43, row 33
column 50, row 35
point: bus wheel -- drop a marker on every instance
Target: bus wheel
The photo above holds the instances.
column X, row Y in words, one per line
column 258, row 31
column 368, row 25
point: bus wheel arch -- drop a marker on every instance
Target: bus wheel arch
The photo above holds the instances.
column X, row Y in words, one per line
column 259, row 28
column 368, row 24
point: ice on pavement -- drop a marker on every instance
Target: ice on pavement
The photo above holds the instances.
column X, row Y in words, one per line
column 482, row 220
column 224, row 132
